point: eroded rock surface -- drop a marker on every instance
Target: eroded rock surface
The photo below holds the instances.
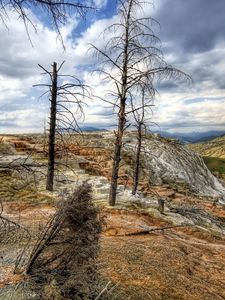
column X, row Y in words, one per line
column 185, row 261
column 173, row 163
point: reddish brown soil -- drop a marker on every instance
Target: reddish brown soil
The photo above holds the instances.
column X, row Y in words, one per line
column 183, row 263
column 175, row 264
column 169, row 266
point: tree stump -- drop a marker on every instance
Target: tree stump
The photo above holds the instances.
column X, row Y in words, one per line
column 161, row 205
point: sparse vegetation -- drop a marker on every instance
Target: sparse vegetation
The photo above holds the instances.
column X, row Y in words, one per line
column 216, row 165
column 128, row 259
column 212, row 148
column 20, row 187
column 60, row 238
column 213, row 154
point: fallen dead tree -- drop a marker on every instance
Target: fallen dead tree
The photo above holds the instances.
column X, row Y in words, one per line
column 148, row 230
column 63, row 261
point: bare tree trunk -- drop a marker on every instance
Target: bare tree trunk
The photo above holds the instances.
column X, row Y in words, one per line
column 45, row 136
column 161, row 205
column 122, row 116
column 117, row 155
column 133, row 54
column 51, row 141
column 137, row 160
column 61, row 116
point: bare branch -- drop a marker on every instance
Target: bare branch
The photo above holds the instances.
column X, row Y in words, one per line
column 132, row 61
column 57, row 11
column 62, row 97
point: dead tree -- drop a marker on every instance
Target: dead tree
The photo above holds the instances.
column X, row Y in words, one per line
column 51, row 140
column 132, row 60
column 57, row 11
column 137, row 158
column 139, row 115
column 63, row 96
column 70, row 245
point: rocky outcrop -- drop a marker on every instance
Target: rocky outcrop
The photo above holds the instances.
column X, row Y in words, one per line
column 163, row 161
column 167, row 161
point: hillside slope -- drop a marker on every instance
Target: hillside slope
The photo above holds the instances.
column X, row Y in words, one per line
column 167, row 161
column 163, row 161
column 212, row 148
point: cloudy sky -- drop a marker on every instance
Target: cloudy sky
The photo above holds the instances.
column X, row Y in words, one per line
column 193, row 39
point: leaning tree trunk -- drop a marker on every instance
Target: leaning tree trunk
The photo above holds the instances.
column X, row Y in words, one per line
column 137, row 161
column 117, row 155
column 51, row 140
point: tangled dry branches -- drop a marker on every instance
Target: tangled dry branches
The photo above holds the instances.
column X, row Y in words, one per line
column 65, row 255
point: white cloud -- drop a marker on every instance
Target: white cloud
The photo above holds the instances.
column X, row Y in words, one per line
column 19, row 71
column 100, row 3
column 22, row 121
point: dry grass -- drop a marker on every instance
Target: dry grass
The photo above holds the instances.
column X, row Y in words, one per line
column 165, row 267
column 212, row 148
column 6, row 149
column 20, row 187
column 181, row 264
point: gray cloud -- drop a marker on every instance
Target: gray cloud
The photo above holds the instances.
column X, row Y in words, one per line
column 167, row 85
column 193, row 39
column 193, row 25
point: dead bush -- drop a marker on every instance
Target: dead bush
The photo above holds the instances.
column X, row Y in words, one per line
column 64, row 258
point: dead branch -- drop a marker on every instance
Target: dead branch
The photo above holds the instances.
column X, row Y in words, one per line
column 131, row 61
column 69, row 244
column 104, row 290
column 57, row 11
column 150, row 230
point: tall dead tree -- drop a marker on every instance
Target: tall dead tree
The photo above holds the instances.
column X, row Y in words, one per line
column 141, row 121
column 65, row 97
column 132, row 60
column 137, row 157
column 51, row 140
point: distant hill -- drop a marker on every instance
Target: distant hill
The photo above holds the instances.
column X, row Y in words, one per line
column 213, row 153
column 192, row 137
column 85, row 129
column 211, row 148
column 184, row 138
column 92, row 129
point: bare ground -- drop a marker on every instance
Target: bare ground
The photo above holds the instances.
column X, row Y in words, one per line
column 183, row 263
column 177, row 264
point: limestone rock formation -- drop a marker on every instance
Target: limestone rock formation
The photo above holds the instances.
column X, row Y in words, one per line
column 167, row 161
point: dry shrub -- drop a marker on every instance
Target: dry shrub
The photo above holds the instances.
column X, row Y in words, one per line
column 64, row 258
column 6, row 148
